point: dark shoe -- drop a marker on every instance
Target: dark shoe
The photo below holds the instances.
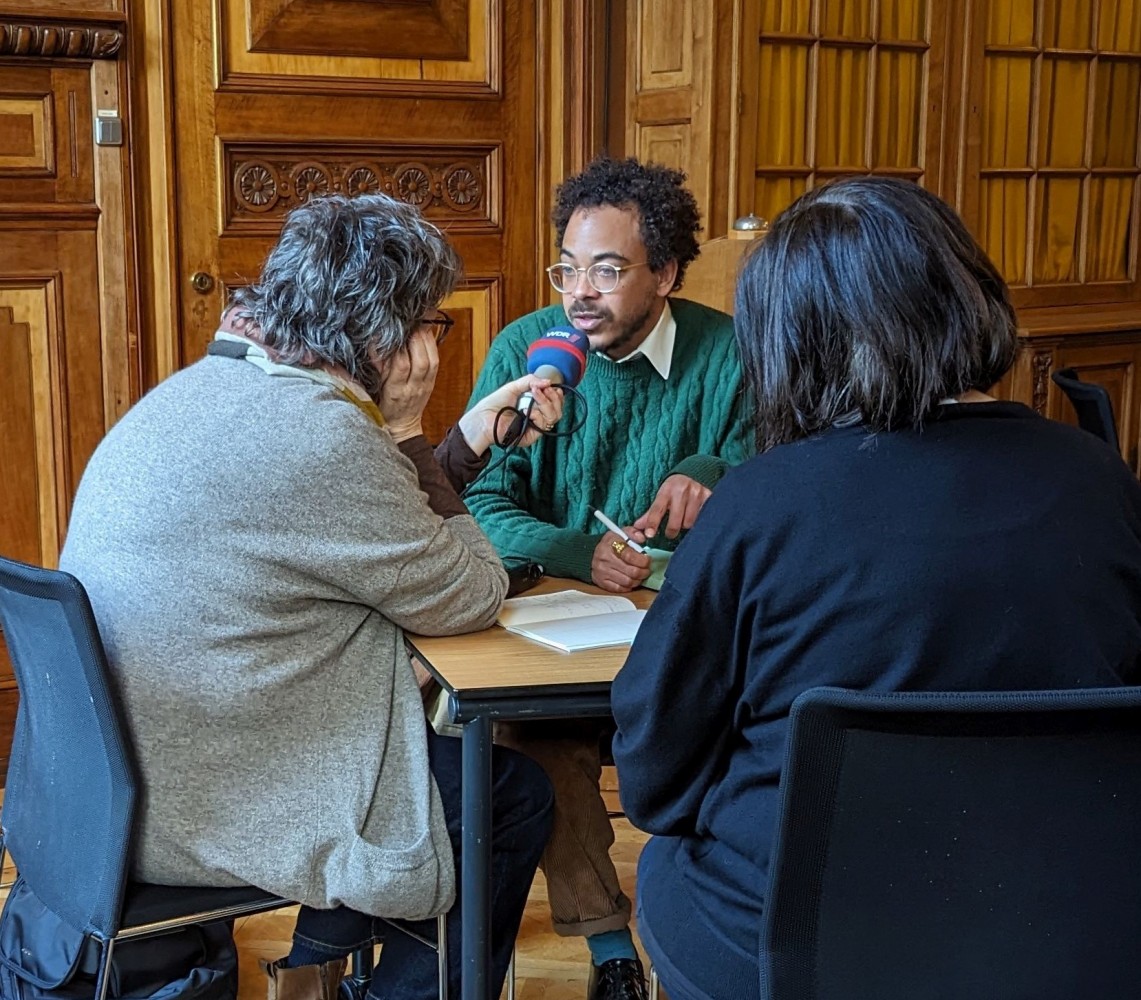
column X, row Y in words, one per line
column 618, row 979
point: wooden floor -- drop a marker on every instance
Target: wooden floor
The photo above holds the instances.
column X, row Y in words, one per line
column 548, row 967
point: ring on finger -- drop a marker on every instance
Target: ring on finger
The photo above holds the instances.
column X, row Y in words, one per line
column 618, row 546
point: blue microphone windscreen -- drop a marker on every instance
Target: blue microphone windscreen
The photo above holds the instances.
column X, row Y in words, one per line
column 565, row 349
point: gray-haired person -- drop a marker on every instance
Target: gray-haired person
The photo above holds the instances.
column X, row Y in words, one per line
column 255, row 534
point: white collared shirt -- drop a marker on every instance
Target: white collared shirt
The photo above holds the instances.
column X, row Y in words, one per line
column 658, row 347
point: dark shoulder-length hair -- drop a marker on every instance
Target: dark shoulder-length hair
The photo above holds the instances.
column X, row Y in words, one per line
column 868, row 301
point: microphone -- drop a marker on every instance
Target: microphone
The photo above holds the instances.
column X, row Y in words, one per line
column 559, row 356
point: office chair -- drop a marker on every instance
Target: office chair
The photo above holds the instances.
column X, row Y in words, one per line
column 69, row 803
column 957, row 845
column 1091, row 403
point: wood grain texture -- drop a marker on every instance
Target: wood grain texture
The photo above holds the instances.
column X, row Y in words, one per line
column 395, row 29
column 60, row 173
column 278, row 70
column 37, row 40
column 496, row 658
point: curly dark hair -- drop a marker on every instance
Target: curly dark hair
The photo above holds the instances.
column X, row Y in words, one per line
column 669, row 219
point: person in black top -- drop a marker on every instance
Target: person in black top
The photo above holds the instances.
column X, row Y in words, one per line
column 899, row 530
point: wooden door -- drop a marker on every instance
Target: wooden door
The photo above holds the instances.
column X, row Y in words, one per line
column 434, row 102
column 66, row 357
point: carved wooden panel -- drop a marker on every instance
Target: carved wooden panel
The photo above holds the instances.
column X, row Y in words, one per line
column 665, row 44
column 58, row 41
column 678, row 94
column 667, row 144
column 29, row 488
column 266, row 181
column 369, row 46
column 51, row 380
column 397, row 29
column 45, row 114
column 460, row 139
column 27, row 136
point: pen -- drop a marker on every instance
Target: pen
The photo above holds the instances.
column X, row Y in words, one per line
column 619, row 532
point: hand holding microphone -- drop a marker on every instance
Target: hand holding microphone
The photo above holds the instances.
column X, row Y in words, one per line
column 559, row 356
column 479, row 424
column 532, row 405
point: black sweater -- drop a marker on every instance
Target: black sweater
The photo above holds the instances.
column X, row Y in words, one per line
column 992, row 550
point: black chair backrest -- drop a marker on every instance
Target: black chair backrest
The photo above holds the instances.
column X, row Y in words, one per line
column 69, row 802
column 1091, row 403
column 958, row 845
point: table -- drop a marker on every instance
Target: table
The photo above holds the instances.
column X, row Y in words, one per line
column 495, row 674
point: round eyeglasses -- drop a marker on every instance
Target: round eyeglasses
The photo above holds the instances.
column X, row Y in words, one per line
column 441, row 325
column 602, row 277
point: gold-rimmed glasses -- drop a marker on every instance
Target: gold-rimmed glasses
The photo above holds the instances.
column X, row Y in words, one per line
column 602, row 277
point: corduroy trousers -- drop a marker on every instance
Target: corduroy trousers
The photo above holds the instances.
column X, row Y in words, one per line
column 582, row 884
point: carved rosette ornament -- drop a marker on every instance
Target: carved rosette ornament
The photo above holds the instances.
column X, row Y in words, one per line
column 310, row 179
column 1040, row 366
column 267, row 186
column 255, row 186
column 461, row 188
column 414, row 184
column 59, row 41
column 360, row 178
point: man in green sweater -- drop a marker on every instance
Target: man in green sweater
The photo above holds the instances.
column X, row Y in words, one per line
column 662, row 424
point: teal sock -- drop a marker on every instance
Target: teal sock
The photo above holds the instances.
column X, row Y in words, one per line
column 612, row 944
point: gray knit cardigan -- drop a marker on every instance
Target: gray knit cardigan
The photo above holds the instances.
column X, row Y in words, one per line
column 253, row 547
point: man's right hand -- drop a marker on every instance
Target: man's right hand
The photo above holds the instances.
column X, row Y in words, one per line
column 617, row 567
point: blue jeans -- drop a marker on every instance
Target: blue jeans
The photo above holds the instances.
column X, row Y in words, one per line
column 522, row 804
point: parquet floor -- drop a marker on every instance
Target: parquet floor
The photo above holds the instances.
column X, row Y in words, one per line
column 548, row 967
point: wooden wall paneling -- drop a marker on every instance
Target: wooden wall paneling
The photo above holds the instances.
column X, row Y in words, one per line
column 151, row 101
column 1050, row 163
column 435, row 29
column 45, row 111
column 27, row 33
column 68, row 346
column 50, row 282
column 679, row 62
column 104, row 13
column 118, row 299
column 260, row 131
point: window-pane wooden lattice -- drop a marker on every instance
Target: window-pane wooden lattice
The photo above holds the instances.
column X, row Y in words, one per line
column 840, row 88
column 1060, row 156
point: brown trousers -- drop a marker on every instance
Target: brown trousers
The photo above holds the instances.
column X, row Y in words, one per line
column 582, row 885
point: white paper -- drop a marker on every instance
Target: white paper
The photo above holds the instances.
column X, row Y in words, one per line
column 584, row 632
column 560, row 605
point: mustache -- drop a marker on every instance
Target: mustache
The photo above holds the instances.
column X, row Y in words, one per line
column 591, row 313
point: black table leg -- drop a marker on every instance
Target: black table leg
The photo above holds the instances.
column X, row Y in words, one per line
column 475, row 864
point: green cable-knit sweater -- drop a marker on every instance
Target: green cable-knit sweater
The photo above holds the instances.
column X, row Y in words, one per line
column 640, row 428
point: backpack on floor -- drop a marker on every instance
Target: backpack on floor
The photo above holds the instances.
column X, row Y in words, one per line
column 42, row 958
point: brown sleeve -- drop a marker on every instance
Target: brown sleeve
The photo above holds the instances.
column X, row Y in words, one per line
column 460, row 464
column 443, row 497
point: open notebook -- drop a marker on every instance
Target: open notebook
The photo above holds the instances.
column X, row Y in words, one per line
column 570, row 620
